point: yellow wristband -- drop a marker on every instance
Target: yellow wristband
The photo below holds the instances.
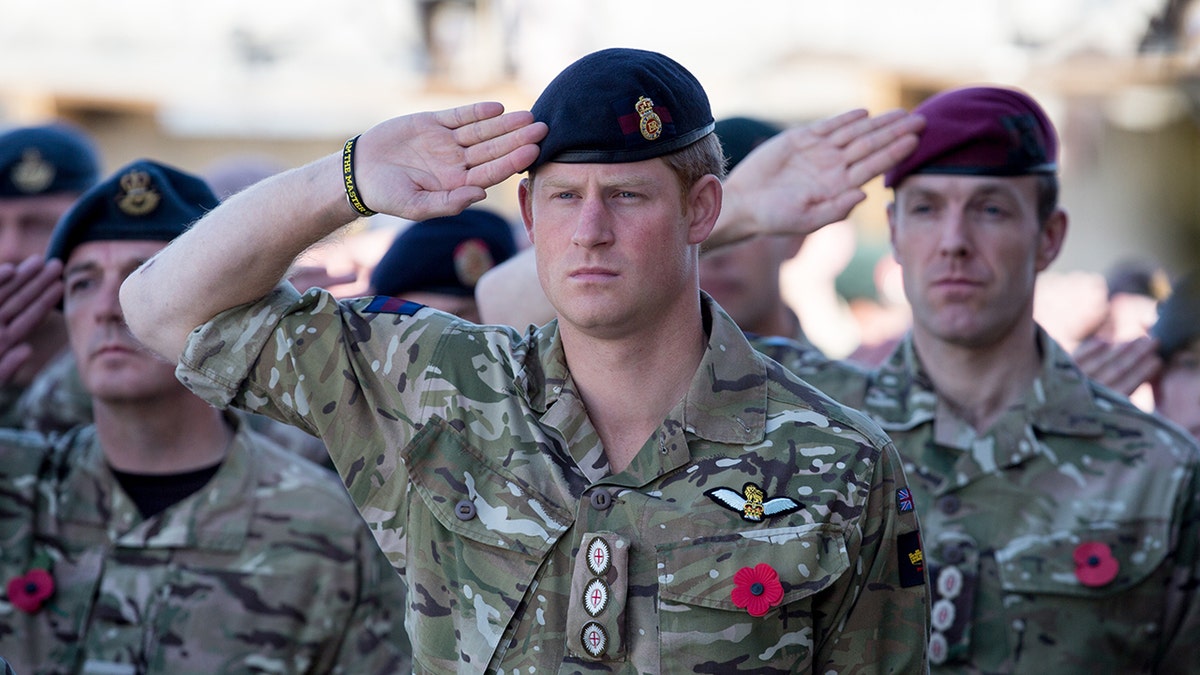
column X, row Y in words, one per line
column 348, row 178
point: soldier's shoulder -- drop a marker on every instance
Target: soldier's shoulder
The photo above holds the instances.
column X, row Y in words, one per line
column 788, row 389
column 1139, row 431
column 293, row 479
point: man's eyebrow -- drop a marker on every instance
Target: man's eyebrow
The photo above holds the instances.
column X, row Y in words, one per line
column 623, row 181
column 79, row 267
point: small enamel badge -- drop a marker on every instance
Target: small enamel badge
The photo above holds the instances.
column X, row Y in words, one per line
column 751, row 503
column 649, row 123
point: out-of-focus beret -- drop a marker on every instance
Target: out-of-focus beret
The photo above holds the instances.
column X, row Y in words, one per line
column 981, row 131
column 740, row 135
column 1178, row 316
column 621, row 105
column 47, row 159
column 444, row 255
column 144, row 200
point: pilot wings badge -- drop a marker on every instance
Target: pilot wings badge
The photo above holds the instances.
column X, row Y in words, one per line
column 751, row 503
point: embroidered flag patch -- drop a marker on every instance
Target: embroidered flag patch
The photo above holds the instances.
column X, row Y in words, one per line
column 904, row 499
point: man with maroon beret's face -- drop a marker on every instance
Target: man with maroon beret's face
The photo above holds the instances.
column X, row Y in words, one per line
column 1059, row 521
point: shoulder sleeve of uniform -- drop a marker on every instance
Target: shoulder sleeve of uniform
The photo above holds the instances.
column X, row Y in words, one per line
column 220, row 353
column 891, row 608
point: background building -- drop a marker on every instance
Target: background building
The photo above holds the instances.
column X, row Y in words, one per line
column 197, row 84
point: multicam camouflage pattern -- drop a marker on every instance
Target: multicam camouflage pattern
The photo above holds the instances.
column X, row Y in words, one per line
column 470, row 455
column 1005, row 512
column 267, row 569
column 54, row 402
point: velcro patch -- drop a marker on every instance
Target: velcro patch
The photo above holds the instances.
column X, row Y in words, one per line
column 382, row 304
column 911, row 558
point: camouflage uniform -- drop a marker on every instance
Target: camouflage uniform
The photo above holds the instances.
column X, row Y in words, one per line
column 469, row 453
column 1062, row 540
column 267, row 568
column 54, row 402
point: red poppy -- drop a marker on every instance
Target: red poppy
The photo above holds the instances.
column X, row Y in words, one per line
column 28, row 591
column 757, row 589
column 1094, row 564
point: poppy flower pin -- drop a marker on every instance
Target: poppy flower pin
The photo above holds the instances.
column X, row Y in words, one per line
column 1095, row 565
column 29, row 591
column 757, row 589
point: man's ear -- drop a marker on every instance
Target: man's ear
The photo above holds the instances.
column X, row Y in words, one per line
column 1052, row 236
column 703, row 205
column 525, row 199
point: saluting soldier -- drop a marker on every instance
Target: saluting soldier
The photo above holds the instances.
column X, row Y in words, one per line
column 43, row 170
column 168, row 537
column 628, row 488
column 1060, row 522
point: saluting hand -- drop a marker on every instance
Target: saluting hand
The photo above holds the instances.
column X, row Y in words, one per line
column 28, row 292
column 810, row 176
column 434, row 164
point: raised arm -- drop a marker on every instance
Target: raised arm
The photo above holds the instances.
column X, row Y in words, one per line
column 417, row 166
column 28, row 292
column 810, row 176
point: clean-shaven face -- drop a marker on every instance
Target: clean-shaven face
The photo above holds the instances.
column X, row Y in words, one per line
column 112, row 364
column 612, row 242
column 970, row 248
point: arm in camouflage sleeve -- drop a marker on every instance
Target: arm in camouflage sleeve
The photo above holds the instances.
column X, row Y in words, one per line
column 417, row 167
column 374, row 639
column 1180, row 651
column 884, row 627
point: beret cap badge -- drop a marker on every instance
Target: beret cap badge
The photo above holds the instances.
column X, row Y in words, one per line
column 471, row 259
column 138, row 196
column 649, row 123
column 33, row 174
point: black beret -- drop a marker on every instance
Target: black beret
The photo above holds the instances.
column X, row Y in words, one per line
column 144, row 200
column 621, row 105
column 740, row 135
column 981, row 131
column 48, row 159
column 1178, row 316
column 444, row 255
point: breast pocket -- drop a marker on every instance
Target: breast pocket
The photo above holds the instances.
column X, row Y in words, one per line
column 745, row 602
column 477, row 537
column 1105, row 580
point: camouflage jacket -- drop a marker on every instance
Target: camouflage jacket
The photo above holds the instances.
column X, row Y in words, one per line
column 54, row 402
column 1062, row 540
column 470, row 454
column 267, row 568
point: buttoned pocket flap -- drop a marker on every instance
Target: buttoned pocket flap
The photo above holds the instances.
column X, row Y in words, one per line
column 1088, row 562
column 806, row 559
column 473, row 498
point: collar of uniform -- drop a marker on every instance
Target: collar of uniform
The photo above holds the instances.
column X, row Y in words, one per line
column 217, row 517
column 726, row 402
column 542, row 373
column 901, row 395
column 1062, row 400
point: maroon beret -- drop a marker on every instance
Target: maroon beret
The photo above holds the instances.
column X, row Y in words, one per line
column 981, row 131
